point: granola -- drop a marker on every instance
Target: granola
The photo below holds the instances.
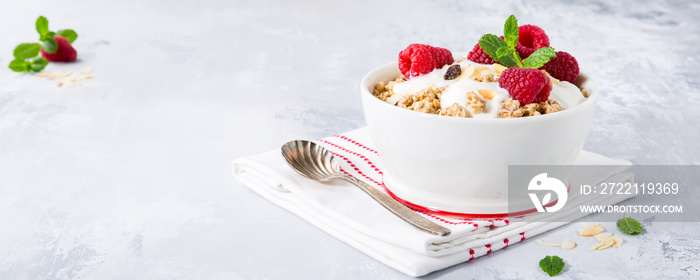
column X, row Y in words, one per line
column 384, row 91
column 426, row 101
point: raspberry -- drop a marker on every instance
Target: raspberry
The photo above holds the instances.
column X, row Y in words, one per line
column 64, row 53
column 530, row 39
column 564, row 67
column 419, row 59
column 479, row 56
column 525, row 84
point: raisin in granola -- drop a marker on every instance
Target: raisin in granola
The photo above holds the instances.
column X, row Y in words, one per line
column 453, row 72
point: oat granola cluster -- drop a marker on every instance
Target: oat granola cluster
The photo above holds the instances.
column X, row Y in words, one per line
column 512, row 108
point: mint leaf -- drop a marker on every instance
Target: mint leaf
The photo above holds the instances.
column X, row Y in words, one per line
column 539, row 58
column 504, row 51
column 69, row 34
column 49, row 45
column 491, row 43
column 511, row 31
column 629, row 225
column 19, row 65
column 38, row 64
column 42, row 25
column 552, row 265
column 27, row 50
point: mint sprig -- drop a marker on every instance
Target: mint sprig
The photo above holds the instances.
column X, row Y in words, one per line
column 629, row 226
column 27, row 54
column 552, row 265
column 503, row 50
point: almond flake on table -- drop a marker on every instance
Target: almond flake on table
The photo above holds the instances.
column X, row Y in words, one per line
column 69, row 79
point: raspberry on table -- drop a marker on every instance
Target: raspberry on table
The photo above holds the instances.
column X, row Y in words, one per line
column 564, row 67
column 525, row 84
column 64, row 53
column 419, row 59
column 530, row 39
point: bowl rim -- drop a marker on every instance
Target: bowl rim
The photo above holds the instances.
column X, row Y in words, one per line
column 393, row 66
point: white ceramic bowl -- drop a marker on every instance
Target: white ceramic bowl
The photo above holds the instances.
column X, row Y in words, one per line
column 460, row 165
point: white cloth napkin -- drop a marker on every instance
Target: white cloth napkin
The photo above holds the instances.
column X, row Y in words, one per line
column 347, row 213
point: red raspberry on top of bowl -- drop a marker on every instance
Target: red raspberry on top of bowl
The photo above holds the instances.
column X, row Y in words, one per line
column 563, row 67
column 419, row 59
column 526, row 49
column 530, row 39
column 526, row 85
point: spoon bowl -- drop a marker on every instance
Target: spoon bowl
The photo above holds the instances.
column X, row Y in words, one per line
column 311, row 160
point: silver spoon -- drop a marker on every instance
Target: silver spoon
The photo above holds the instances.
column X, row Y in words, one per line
column 315, row 162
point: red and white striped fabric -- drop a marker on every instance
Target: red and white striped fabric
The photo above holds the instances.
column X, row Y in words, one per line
column 350, row 215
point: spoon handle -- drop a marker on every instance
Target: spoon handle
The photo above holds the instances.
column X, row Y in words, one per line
column 399, row 209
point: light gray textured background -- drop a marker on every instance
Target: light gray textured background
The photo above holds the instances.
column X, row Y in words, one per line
column 128, row 176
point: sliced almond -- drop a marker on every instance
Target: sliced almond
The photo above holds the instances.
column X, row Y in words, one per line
column 608, row 241
column 469, row 68
column 568, row 244
column 602, row 236
column 595, row 247
column 46, row 74
column 59, row 84
column 476, row 72
column 487, row 93
column 548, row 244
column 618, row 241
column 590, row 231
column 87, row 70
column 604, row 246
column 595, row 224
column 498, row 68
